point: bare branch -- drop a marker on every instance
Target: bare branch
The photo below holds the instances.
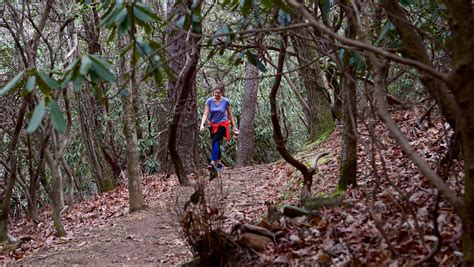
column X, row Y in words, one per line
column 366, row 46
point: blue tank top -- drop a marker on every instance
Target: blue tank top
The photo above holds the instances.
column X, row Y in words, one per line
column 217, row 112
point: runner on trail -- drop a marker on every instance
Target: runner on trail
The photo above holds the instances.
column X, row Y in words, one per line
column 219, row 116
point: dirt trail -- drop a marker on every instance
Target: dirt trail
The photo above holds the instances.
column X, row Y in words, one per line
column 151, row 237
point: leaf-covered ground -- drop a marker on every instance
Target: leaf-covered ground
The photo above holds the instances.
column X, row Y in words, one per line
column 386, row 220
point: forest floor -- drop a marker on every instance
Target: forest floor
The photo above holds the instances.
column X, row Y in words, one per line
column 387, row 220
column 101, row 232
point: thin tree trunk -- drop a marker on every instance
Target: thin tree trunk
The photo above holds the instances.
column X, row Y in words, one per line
column 71, row 188
column 54, row 155
column 162, row 124
column 277, row 133
column 348, row 164
column 348, row 161
column 7, row 193
column 134, row 173
column 332, row 77
column 101, row 171
column 35, row 177
column 56, row 191
column 246, row 145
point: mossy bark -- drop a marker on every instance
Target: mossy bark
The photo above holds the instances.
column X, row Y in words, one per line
column 3, row 230
column 347, row 173
column 319, row 116
column 348, row 162
column 322, row 202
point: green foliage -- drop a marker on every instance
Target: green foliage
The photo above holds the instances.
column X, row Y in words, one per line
column 57, row 117
column 407, row 2
column 255, row 61
column 389, row 35
column 46, row 81
column 100, row 70
column 325, row 6
column 12, row 83
column 37, row 117
column 353, row 58
column 30, row 84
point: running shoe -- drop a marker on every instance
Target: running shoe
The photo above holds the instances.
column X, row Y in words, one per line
column 219, row 168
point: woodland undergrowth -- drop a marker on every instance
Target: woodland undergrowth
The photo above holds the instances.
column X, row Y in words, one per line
column 392, row 217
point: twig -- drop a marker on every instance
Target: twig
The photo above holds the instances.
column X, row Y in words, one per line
column 439, row 241
column 366, row 46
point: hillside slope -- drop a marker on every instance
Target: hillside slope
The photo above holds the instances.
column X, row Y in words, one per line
column 387, row 219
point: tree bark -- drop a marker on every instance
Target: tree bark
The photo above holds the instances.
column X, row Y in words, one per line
column 162, row 125
column 7, row 193
column 35, row 177
column 56, row 191
column 319, row 117
column 134, row 173
column 247, row 117
column 277, row 133
column 348, row 161
column 187, row 129
column 90, row 112
column 461, row 20
column 101, row 170
column 71, row 185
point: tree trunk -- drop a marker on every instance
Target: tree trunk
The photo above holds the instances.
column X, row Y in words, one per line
column 54, row 154
column 348, row 161
column 133, row 171
column 465, row 98
column 71, row 185
column 187, row 131
column 461, row 19
column 35, row 178
column 277, row 133
column 101, row 171
column 245, row 145
column 7, row 193
column 336, row 109
column 56, row 191
column 319, row 117
column 162, row 124
column 89, row 113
